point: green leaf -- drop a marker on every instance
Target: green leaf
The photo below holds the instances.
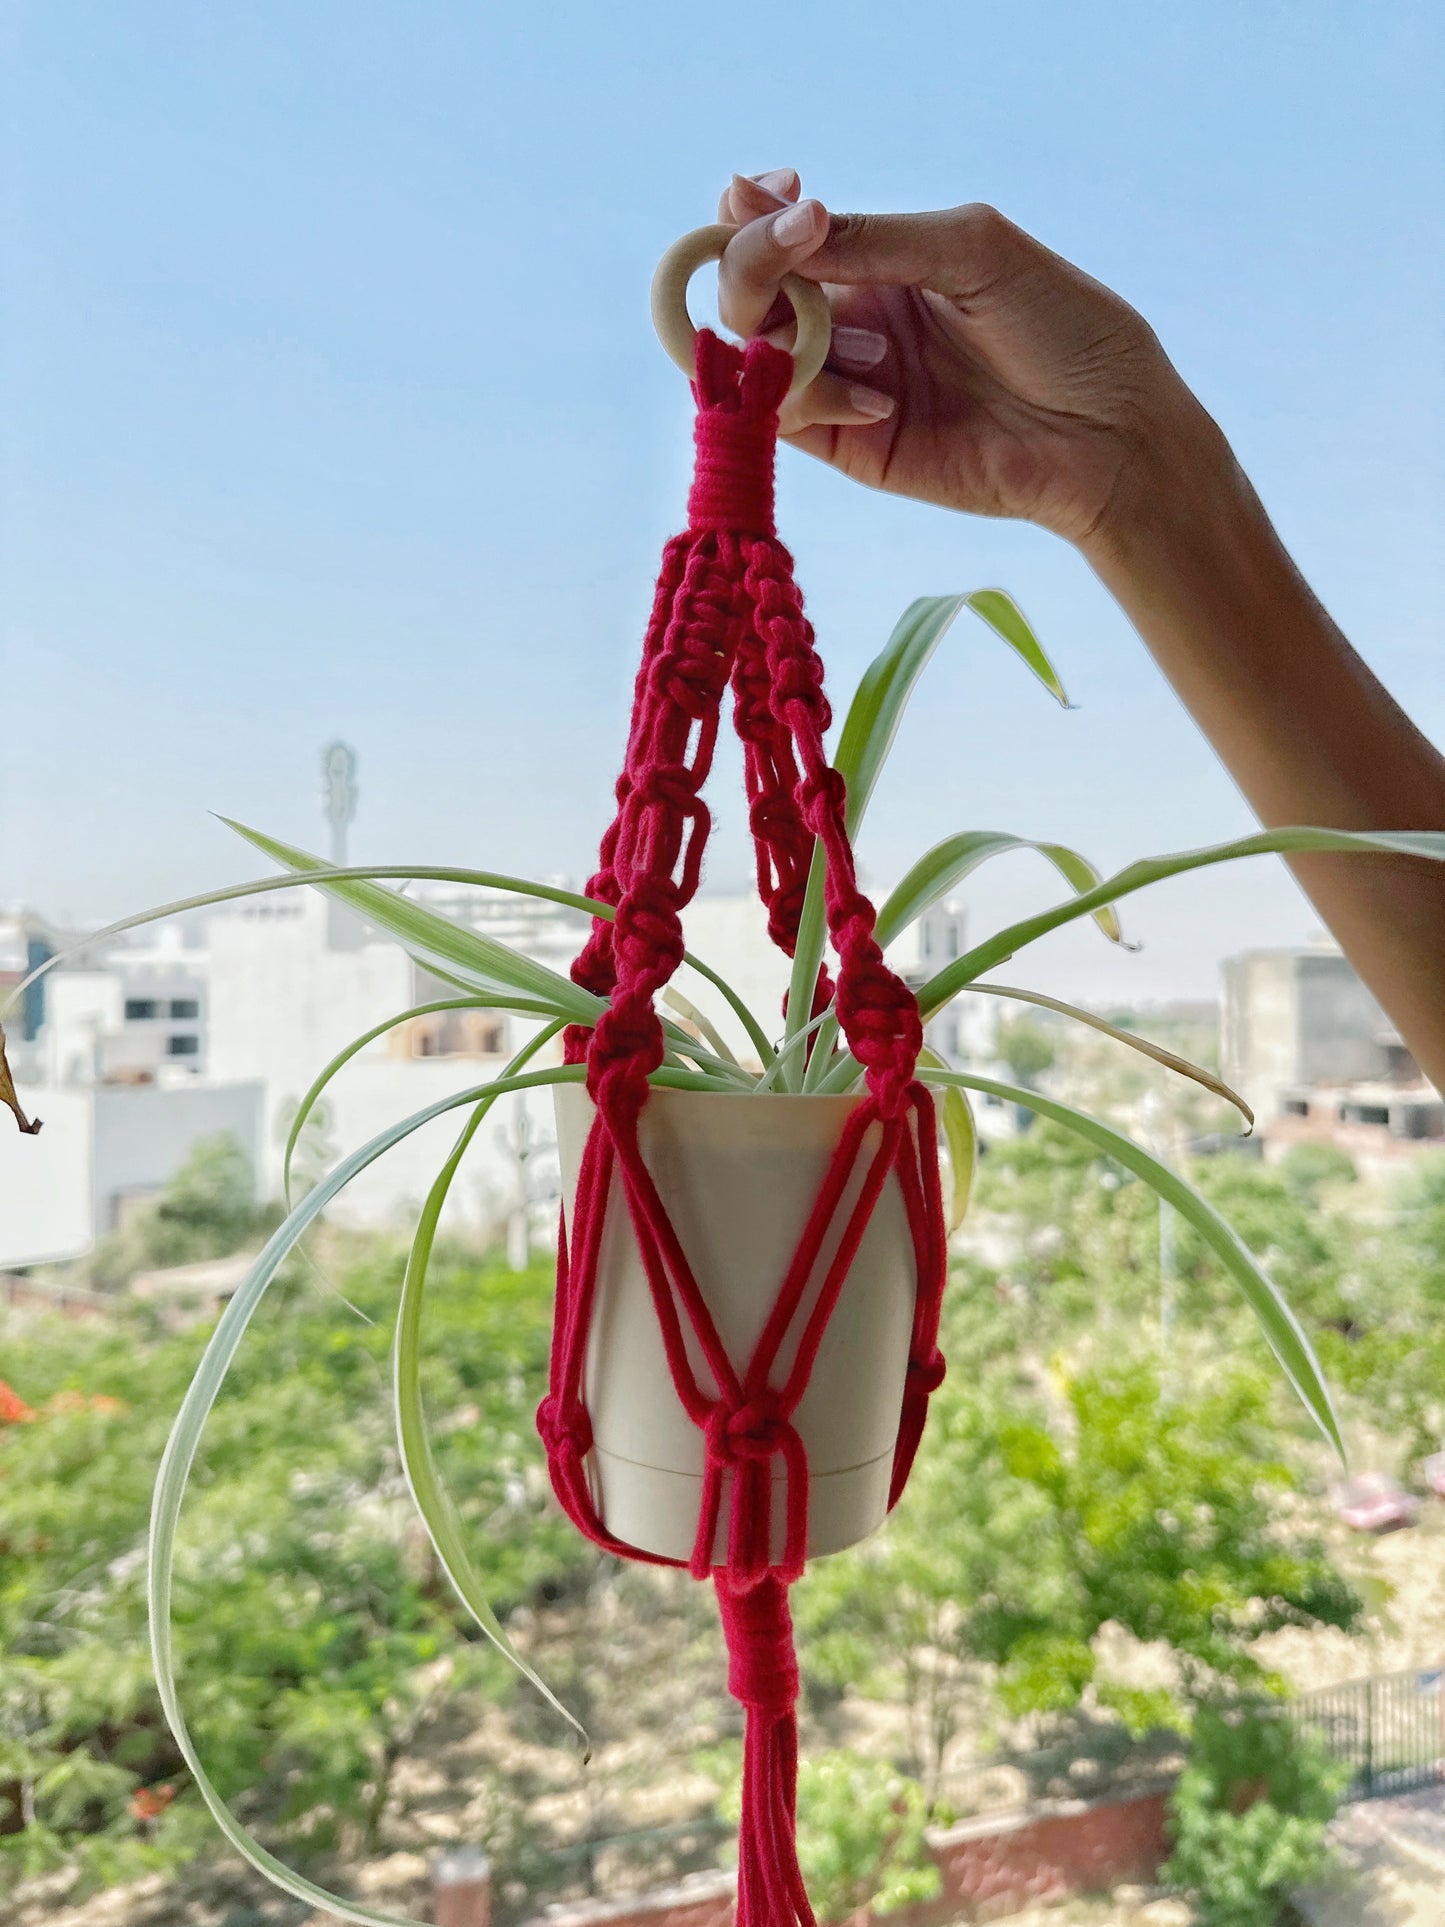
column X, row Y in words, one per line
column 1137, row 876
column 429, row 936
column 180, row 1455
column 433, row 1501
column 950, row 861
column 690, row 1014
column 439, row 873
column 960, row 1134
column 868, row 734
column 863, row 745
column 1168, row 1058
column 1282, row 1329
column 1004, row 616
column 876, row 711
column 343, row 1058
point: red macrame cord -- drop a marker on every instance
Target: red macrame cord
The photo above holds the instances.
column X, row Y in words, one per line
column 727, row 610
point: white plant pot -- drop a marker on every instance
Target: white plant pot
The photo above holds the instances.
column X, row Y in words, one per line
column 739, row 1176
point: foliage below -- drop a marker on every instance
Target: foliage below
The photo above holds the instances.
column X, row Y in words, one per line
column 860, row 1831
column 1041, row 1511
column 314, row 1631
column 1249, row 1816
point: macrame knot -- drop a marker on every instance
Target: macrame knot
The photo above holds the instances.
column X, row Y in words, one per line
column 649, row 930
column 694, row 680
column 823, row 798
column 565, row 1426
column 627, row 1046
column 925, row 1375
column 673, row 785
column 798, row 679
column 756, row 1429
column 762, row 1662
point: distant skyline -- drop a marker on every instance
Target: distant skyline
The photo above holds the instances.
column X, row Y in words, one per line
column 330, row 408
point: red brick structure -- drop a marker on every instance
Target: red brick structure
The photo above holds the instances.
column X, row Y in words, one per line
column 704, row 1900
column 1000, row 1863
column 995, row 1864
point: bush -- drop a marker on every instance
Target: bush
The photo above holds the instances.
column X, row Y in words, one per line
column 207, row 1210
column 1249, row 1817
column 315, row 1634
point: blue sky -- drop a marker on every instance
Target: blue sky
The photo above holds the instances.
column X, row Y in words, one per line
column 331, row 407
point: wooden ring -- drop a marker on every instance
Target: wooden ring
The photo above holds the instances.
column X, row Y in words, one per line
column 674, row 324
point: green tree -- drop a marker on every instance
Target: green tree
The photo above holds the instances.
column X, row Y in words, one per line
column 1249, row 1817
column 1026, row 1047
column 207, row 1210
column 1308, row 1170
column 860, row 1837
column 1163, row 1518
column 860, row 1831
column 1036, row 1516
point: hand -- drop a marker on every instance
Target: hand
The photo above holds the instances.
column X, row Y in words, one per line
column 971, row 366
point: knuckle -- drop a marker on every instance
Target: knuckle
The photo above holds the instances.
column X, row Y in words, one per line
column 983, row 226
column 852, row 228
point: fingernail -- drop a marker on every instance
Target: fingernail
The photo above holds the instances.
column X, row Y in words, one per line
column 796, row 226
column 861, row 346
column 779, row 180
column 869, row 402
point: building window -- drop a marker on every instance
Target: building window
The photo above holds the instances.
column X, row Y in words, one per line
column 137, row 1009
column 1296, row 1107
column 185, row 1009
column 183, row 1044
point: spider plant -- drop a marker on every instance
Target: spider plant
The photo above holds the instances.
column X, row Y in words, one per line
column 808, row 1057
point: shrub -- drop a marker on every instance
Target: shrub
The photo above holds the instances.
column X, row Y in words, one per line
column 1249, row 1817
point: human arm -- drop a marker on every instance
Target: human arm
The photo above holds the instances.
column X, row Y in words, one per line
column 978, row 370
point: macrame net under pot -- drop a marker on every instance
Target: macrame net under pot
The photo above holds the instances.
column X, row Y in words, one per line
column 748, row 1288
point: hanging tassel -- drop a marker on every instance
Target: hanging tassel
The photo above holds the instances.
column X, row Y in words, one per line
column 763, row 1679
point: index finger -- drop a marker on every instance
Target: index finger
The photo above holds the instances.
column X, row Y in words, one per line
column 750, row 274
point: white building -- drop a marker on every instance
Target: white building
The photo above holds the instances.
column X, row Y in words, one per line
column 102, row 1150
column 244, row 1011
column 136, row 1013
column 1309, row 1048
column 290, row 988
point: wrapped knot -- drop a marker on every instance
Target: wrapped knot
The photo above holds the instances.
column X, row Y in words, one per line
column 762, row 1662
column 756, row 1429
column 925, row 1375
column 732, row 483
column 565, row 1426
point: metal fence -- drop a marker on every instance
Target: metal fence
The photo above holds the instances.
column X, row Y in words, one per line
column 1388, row 1730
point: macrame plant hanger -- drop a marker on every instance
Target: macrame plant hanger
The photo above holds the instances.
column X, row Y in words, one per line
column 727, row 611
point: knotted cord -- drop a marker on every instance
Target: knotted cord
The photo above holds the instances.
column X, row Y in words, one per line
column 727, row 611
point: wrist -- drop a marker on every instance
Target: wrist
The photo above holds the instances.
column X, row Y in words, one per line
column 1180, row 491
